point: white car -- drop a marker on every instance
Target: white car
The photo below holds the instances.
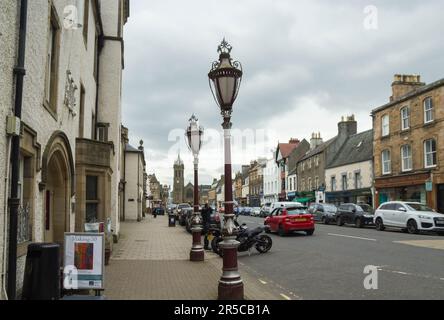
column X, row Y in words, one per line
column 409, row 216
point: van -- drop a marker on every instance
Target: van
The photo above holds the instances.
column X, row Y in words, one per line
column 285, row 204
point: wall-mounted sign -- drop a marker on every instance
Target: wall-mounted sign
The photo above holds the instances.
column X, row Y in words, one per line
column 429, row 186
column 84, row 261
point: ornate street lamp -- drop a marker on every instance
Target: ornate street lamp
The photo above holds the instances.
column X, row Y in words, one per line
column 193, row 136
column 225, row 78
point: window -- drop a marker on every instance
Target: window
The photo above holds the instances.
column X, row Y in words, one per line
column 309, row 163
column 428, row 110
column 317, row 183
column 333, row 183
column 406, row 156
column 405, row 118
column 52, row 63
column 102, row 132
column 430, row 153
column 92, row 201
column 317, row 161
column 357, row 180
column 386, row 162
column 344, row 182
column 385, row 125
column 82, row 111
column 309, row 184
column 85, row 21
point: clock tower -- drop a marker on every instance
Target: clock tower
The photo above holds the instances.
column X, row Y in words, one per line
column 178, row 184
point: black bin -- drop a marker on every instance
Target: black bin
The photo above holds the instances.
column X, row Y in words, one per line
column 42, row 272
column 171, row 220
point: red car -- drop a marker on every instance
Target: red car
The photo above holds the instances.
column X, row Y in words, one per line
column 286, row 220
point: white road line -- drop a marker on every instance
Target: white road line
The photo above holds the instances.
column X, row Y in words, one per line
column 262, row 281
column 345, row 236
column 285, row 297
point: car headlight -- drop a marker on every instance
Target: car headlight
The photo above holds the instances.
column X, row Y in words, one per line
column 425, row 217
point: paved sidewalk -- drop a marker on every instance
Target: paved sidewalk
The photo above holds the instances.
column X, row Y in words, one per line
column 151, row 262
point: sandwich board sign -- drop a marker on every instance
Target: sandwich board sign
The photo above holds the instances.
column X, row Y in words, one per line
column 84, row 261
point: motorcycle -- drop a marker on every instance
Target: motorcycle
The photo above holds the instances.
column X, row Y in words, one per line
column 247, row 238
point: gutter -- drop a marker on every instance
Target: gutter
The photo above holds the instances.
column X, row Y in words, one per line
column 14, row 201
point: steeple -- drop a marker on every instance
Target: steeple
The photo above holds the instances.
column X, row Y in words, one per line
column 179, row 161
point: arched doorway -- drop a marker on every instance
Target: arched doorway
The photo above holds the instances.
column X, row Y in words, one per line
column 57, row 183
column 57, row 200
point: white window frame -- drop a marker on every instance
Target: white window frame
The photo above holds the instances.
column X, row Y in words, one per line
column 385, row 126
column 426, row 165
column 408, row 158
column 405, row 118
column 428, row 110
column 389, row 161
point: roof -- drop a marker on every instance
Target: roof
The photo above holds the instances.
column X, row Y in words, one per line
column 130, row 148
column 287, row 148
column 411, row 94
column 179, row 161
column 357, row 148
column 318, row 149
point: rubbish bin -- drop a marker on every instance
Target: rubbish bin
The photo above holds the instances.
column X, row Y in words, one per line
column 42, row 272
column 171, row 220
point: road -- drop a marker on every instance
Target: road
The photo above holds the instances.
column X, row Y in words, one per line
column 330, row 264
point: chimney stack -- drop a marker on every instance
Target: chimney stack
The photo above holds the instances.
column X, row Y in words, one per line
column 315, row 140
column 348, row 126
column 294, row 141
column 404, row 84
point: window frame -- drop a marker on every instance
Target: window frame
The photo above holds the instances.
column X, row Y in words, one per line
column 404, row 118
column 435, row 153
column 387, row 125
column 389, row 162
column 431, row 110
column 403, row 158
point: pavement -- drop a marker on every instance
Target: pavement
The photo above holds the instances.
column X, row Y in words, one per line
column 330, row 264
column 151, row 262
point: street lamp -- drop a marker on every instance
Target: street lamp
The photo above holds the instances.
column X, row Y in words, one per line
column 193, row 136
column 225, row 78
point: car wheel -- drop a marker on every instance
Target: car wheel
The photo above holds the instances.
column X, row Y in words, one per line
column 267, row 230
column 309, row 232
column 358, row 223
column 379, row 224
column 412, row 227
column 339, row 221
column 215, row 245
column 281, row 231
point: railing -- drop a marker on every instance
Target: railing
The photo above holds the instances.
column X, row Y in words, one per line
column 24, row 233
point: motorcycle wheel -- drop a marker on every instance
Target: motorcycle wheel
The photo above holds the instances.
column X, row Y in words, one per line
column 215, row 245
column 265, row 244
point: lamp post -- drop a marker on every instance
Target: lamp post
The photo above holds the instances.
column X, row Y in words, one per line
column 225, row 78
column 193, row 136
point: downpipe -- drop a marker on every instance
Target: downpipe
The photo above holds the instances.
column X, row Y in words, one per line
column 5, row 224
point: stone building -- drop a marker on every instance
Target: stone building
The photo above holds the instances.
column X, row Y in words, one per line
column 71, row 116
column 135, row 186
column 212, row 193
column 189, row 193
column 409, row 143
column 179, row 181
column 349, row 177
column 256, row 183
column 283, row 151
column 292, row 180
column 272, row 181
column 311, row 168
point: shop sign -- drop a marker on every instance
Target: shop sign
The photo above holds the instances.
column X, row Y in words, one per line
column 429, row 186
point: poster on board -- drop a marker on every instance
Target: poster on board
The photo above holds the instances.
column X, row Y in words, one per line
column 84, row 261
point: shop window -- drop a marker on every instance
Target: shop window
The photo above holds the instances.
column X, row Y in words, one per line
column 406, row 155
column 430, row 153
column 386, row 162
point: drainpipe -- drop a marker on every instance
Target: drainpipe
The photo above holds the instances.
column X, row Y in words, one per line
column 14, row 201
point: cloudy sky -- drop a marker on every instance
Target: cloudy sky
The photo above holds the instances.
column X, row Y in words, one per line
column 306, row 64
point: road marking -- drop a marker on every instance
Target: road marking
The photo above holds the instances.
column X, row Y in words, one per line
column 345, row 236
column 285, row 297
column 262, row 281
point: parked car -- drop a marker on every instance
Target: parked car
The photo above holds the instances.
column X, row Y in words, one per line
column 159, row 211
column 255, row 212
column 412, row 217
column 215, row 220
column 246, row 211
column 284, row 204
column 265, row 210
column 179, row 208
column 289, row 219
column 171, row 208
column 323, row 212
column 185, row 213
column 359, row 215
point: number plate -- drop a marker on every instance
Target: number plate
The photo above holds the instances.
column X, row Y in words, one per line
column 299, row 220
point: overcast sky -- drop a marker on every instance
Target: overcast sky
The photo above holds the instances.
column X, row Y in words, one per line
column 306, row 64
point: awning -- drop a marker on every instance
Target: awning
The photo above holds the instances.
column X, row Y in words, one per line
column 303, row 200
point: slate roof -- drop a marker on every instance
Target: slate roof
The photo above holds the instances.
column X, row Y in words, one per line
column 130, row 148
column 357, row 148
column 318, row 149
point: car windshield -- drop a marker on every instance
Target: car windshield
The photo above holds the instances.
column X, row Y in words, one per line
column 181, row 206
column 366, row 208
column 297, row 211
column 418, row 207
column 330, row 208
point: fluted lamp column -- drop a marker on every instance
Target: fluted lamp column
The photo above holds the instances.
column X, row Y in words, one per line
column 225, row 78
column 193, row 136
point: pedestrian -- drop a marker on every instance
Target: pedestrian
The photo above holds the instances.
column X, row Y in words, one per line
column 206, row 216
column 155, row 213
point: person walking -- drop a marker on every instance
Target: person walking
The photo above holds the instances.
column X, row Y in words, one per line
column 206, row 216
